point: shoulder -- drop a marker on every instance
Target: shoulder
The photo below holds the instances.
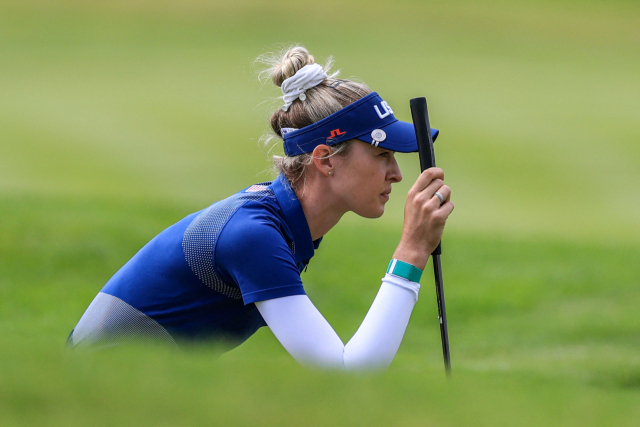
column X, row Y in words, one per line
column 256, row 226
column 249, row 221
column 254, row 251
column 250, row 206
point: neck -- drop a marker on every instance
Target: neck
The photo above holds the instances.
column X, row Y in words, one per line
column 319, row 206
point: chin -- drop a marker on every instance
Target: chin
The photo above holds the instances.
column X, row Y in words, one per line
column 372, row 214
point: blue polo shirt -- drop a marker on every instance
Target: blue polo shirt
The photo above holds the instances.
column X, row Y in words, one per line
column 199, row 278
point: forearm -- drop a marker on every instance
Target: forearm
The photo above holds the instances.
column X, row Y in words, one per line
column 309, row 338
column 376, row 342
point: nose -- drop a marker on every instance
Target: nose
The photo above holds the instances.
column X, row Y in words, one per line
column 394, row 174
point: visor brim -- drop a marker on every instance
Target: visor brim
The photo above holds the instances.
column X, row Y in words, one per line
column 400, row 137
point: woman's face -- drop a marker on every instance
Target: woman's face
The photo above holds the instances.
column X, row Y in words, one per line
column 363, row 179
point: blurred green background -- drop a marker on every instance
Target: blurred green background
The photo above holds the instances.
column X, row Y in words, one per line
column 118, row 118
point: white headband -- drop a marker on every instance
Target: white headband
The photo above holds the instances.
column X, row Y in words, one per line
column 294, row 87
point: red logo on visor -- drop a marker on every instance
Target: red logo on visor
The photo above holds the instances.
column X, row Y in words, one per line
column 336, row 133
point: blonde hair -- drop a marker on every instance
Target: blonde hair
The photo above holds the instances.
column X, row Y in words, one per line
column 330, row 96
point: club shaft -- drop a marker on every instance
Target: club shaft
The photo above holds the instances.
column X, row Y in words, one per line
column 442, row 313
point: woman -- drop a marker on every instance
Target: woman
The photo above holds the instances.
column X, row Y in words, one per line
column 234, row 267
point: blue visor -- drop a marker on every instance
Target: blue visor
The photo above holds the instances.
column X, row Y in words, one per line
column 369, row 119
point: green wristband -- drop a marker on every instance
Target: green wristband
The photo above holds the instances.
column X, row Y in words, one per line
column 404, row 270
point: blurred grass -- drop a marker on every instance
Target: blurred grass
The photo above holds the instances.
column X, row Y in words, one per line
column 119, row 118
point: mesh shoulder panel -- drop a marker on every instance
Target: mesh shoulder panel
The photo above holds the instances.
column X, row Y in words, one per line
column 109, row 321
column 201, row 235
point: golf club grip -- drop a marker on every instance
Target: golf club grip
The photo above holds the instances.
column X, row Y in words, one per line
column 420, row 116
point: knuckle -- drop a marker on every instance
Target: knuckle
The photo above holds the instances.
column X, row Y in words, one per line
column 422, row 197
column 433, row 172
column 431, row 207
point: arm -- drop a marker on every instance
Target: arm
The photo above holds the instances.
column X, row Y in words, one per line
column 309, row 338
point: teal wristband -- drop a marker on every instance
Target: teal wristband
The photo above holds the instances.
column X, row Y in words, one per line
column 404, row 270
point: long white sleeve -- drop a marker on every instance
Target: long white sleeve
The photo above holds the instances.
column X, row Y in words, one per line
column 309, row 338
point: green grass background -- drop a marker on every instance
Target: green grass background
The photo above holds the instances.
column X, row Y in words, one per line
column 119, row 118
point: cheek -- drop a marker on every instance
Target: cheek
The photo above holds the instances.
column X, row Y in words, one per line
column 365, row 180
column 371, row 184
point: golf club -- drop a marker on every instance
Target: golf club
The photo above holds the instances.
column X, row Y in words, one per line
column 420, row 116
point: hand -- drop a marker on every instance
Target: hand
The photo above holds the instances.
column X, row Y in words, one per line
column 424, row 218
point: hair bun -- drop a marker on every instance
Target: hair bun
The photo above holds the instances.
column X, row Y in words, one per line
column 293, row 59
column 320, row 101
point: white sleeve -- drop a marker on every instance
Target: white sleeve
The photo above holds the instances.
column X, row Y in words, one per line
column 309, row 338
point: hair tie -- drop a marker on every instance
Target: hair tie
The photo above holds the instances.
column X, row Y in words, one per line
column 294, row 87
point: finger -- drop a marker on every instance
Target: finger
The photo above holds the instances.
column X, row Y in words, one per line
column 441, row 215
column 427, row 196
column 426, row 177
column 431, row 189
column 447, row 208
column 445, row 192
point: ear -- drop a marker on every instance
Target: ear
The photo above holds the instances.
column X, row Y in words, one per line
column 322, row 159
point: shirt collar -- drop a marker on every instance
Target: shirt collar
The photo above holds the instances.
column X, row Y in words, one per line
column 294, row 216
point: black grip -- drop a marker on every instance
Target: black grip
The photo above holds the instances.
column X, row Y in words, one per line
column 420, row 116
